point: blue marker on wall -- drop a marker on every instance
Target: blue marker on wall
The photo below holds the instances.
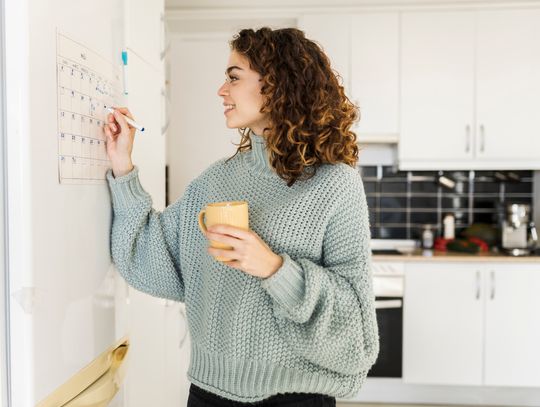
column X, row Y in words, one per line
column 124, row 70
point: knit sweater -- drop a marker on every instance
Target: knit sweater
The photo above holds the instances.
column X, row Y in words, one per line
column 310, row 327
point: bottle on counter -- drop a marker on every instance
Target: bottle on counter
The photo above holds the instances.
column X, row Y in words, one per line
column 449, row 226
column 427, row 237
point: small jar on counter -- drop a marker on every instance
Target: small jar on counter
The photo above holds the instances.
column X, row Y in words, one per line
column 449, row 226
column 427, row 237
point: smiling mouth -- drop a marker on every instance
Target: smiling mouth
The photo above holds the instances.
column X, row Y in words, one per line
column 229, row 108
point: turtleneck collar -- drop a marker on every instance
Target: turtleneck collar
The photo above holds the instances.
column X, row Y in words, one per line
column 257, row 158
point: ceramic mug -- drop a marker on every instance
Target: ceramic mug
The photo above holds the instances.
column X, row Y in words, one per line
column 234, row 213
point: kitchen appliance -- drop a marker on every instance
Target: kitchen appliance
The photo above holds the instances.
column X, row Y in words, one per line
column 518, row 235
column 393, row 246
column 388, row 287
column 445, row 181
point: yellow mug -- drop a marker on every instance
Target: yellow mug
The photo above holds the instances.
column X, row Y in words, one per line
column 234, row 213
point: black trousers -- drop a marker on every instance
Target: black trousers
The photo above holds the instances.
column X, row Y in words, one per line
column 201, row 398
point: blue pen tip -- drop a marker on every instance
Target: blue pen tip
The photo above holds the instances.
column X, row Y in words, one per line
column 142, row 129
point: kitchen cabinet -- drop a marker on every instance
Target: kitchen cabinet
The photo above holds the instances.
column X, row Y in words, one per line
column 442, row 324
column 144, row 381
column 508, row 87
column 177, row 354
column 470, row 84
column 437, row 88
column 512, row 324
column 375, row 75
column 472, row 324
column 332, row 32
column 363, row 49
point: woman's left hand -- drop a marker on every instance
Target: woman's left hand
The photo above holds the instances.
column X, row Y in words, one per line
column 249, row 252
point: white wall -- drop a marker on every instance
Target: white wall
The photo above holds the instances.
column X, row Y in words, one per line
column 198, row 4
column 197, row 135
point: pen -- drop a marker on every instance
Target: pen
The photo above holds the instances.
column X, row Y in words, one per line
column 124, row 70
column 131, row 122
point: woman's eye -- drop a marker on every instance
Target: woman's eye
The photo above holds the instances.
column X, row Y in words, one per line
column 232, row 78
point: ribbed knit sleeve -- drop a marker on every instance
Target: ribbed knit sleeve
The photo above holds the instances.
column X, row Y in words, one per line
column 327, row 312
column 144, row 242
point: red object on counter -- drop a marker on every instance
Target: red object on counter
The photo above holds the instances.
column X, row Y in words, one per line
column 440, row 243
column 484, row 247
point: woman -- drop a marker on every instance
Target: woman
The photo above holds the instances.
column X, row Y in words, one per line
column 290, row 318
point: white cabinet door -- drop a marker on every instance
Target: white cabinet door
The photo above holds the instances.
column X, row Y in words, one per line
column 177, row 354
column 508, row 86
column 512, row 345
column 442, row 324
column 437, row 87
column 332, row 32
column 375, row 74
column 363, row 49
column 149, row 146
column 146, row 376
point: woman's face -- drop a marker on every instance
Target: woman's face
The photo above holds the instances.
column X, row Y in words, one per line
column 242, row 90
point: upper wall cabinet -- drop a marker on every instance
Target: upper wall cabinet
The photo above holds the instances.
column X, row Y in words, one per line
column 470, row 88
column 363, row 49
column 333, row 34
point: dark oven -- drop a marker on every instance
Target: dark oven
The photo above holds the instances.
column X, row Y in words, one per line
column 388, row 278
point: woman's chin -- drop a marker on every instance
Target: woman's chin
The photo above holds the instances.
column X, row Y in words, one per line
column 231, row 124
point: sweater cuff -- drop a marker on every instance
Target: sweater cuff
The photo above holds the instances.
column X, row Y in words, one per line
column 287, row 285
column 127, row 189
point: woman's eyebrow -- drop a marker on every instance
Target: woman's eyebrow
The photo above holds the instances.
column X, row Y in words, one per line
column 230, row 68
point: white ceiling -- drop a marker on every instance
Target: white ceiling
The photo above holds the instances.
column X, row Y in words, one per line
column 221, row 4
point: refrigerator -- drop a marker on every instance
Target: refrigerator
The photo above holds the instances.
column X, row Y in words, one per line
column 70, row 334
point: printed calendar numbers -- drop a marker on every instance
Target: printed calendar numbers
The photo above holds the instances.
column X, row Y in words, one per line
column 83, row 88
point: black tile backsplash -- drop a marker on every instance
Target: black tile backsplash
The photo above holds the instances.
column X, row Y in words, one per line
column 402, row 202
column 393, row 186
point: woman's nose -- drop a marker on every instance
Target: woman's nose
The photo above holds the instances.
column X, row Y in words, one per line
column 222, row 91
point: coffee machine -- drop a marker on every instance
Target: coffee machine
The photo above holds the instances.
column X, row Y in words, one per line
column 519, row 237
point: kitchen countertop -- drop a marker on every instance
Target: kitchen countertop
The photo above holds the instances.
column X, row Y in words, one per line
column 436, row 255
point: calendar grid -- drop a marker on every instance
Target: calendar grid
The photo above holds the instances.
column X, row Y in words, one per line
column 86, row 82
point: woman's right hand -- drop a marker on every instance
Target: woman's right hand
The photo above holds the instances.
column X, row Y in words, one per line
column 120, row 136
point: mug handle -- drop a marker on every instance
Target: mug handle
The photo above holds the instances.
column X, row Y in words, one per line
column 202, row 226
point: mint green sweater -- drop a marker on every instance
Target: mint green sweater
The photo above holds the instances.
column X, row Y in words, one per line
column 310, row 327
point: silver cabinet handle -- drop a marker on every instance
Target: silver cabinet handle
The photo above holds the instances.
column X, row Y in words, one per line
column 477, row 285
column 492, row 280
column 467, row 138
column 482, row 138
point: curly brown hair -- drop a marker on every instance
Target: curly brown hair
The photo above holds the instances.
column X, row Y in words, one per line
column 310, row 116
